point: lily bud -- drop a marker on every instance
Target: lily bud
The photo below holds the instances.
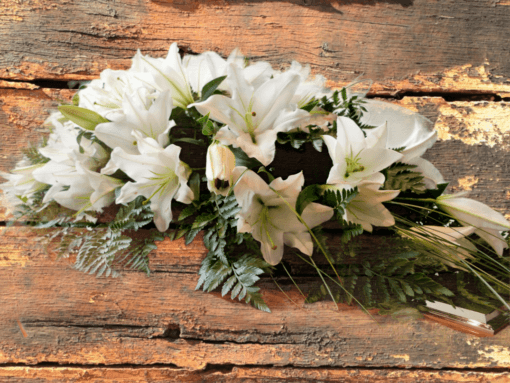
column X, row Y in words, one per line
column 488, row 223
column 219, row 167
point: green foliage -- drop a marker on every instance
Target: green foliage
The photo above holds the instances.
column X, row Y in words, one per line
column 222, row 265
column 33, row 155
column 89, row 135
column 342, row 105
column 298, row 138
column 349, row 231
column 100, row 249
column 242, row 275
column 399, row 176
column 390, row 279
column 209, row 128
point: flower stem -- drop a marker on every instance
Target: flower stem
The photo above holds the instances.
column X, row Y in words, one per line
column 314, row 238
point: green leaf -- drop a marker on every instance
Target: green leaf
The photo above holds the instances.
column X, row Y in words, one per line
column 189, row 140
column 187, row 212
column 227, row 286
column 208, row 127
column 210, row 87
column 85, row 118
column 308, row 195
column 194, row 184
column 397, row 290
column 400, row 176
column 203, row 219
column 242, row 159
column 434, row 193
column 311, row 104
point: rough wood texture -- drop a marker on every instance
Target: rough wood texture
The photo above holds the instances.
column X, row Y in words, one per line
column 158, row 324
column 72, row 318
column 403, row 45
column 236, row 374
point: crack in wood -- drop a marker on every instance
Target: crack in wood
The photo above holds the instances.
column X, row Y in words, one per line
column 397, row 95
column 229, row 367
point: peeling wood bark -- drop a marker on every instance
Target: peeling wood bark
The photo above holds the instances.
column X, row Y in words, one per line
column 244, row 374
column 73, row 318
column 403, row 45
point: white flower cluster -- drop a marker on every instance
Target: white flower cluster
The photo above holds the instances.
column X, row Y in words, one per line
column 252, row 105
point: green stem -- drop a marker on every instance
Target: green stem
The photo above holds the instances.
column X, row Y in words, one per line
column 325, row 284
column 290, row 276
column 415, row 199
column 284, row 293
column 310, row 231
column 333, row 279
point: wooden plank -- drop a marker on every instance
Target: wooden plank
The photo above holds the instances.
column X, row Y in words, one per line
column 72, row 318
column 241, row 374
column 403, row 45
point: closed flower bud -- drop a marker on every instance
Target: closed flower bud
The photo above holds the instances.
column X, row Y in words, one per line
column 489, row 223
column 219, row 167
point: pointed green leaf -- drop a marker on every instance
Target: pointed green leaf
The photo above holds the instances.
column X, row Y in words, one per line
column 308, row 194
column 242, row 158
column 211, row 86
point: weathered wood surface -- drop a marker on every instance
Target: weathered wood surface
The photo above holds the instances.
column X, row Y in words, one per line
column 244, row 374
column 54, row 314
column 403, row 45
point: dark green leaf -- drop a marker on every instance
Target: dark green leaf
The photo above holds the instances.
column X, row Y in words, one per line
column 308, row 195
column 243, row 160
column 211, row 86
column 187, row 212
column 189, row 140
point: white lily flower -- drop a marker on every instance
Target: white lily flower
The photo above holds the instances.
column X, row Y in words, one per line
column 406, row 129
column 220, row 164
column 488, row 223
column 366, row 208
column 106, row 94
column 20, row 186
column 65, row 155
column 268, row 218
column 140, row 113
column 159, row 176
column 169, row 74
column 86, row 190
column 356, row 158
column 309, row 88
column 254, row 116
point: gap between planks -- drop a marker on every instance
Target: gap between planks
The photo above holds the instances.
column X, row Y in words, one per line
column 231, row 373
column 395, row 95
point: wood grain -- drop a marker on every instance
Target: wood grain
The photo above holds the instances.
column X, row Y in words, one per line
column 73, row 318
column 403, row 45
column 158, row 324
column 241, row 374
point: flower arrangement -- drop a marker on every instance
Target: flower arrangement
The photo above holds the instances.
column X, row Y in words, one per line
column 187, row 144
